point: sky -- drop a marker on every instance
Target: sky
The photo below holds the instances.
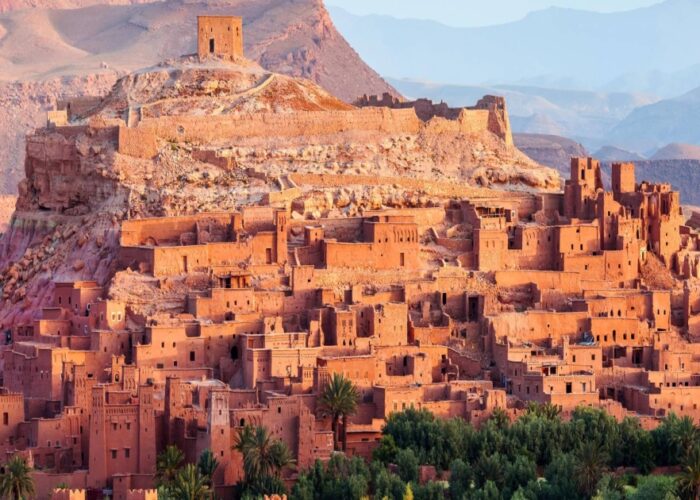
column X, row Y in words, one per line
column 477, row 12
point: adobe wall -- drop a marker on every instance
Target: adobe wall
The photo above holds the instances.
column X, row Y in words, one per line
column 162, row 230
column 539, row 326
column 311, row 123
column 137, row 143
column 67, row 494
column 45, row 482
column 468, row 122
column 11, row 415
column 565, row 282
column 489, row 114
column 370, row 255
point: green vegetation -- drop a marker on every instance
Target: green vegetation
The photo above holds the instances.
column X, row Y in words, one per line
column 539, row 456
column 188, row 482
column 264, row 457
column 339, row 399
column 16, row 482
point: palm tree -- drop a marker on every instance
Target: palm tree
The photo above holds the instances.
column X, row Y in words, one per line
column 339, row 399
column 544, row 410
column 500, row 418
column 684, row 436
column 263, row 455
column 168, row 463
column 689, row 478
column 190, row 484
column 207, row 465
column 591, row 462
column 16, row 483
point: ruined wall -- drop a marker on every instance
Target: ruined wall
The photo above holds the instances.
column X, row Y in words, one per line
column 489, row 114
column 137, row 143
column 311, row 123
column 566, row 282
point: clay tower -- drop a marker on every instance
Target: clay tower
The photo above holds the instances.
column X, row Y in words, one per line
column 219, row 36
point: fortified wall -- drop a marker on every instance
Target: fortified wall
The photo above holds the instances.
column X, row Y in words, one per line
column 141, row 141
column 489, row 113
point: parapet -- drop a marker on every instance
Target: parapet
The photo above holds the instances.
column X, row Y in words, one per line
column 489, row 113
column 67, row 494
column 142, row 495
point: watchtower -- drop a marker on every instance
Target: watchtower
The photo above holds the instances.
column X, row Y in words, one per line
column 219, row 36
column 623, row 180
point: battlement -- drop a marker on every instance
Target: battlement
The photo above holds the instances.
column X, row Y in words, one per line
column 68, row 494
column 496, row 121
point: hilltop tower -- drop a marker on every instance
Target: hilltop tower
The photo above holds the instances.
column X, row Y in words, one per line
column 219, row 36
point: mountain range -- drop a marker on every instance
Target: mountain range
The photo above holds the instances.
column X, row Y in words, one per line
column 630, row 51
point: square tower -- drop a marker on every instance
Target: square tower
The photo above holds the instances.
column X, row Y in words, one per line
column 219, row 36
column 623, row 180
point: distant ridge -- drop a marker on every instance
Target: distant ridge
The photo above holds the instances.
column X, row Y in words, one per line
column 612, row 153
column 677, row 151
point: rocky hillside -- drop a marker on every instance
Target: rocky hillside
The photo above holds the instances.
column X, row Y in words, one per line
column 47, row 55
column 9, row 5
column 550, row 150
column 218, row 136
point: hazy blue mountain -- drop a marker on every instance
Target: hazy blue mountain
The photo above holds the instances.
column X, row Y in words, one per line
column 651, row 127
column 677, row 151
column 612, row 153
column 651, row 49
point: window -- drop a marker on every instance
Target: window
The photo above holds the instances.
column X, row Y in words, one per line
column 5, row 418
column 191, row 355
column 114, row 453
column 127, row 452
column 568, row 387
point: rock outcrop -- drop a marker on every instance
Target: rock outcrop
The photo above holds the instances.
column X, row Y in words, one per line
column 550, row 150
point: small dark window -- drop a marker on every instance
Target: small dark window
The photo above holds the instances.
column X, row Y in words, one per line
column 211, row 45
